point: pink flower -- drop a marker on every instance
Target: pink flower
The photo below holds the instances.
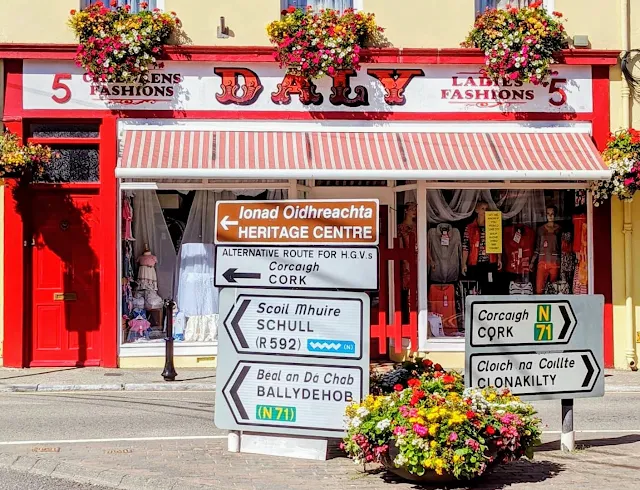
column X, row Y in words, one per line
column 399, row 431
column 473, row 444
column 513, row 75
column 420, row 430
column 453, row 437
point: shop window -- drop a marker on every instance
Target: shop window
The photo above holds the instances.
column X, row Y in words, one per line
column 506, row 242
column 319, row 4
column 75, row 130
column 72, row 164
column 168, row 253
column 135, row 4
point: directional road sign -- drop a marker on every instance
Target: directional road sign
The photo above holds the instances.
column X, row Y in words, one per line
column 540, row 347
column 294, row 323
column 513, row 322
column 554, row 373
column 304, row 222
column 289, row 398
column 289, row 267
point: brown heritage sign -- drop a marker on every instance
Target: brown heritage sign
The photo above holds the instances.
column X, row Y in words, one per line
column 309, row 222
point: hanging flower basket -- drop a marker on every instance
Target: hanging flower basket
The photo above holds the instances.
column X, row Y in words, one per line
column 429, row 428
column 17, row 160
column 314, row 44
column 519, row 44
column 622, row 154
column 117, row 46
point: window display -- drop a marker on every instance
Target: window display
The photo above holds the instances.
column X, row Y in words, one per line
column 168, row 252
column 543, row 249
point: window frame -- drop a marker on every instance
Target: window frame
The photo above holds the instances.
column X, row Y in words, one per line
column 548, row 4
column 357, row 4
column 85, row 3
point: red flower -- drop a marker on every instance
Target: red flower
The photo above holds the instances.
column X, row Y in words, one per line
column 448, row 379
column 557, row 14
column 73, row 12
column 413, row 382
column 437, row 367
column 114, row 3
column 427, row 363
column 438, row 374
column 490, row 430
column 471, row 415
column 398, row 387
column 144, row 5
column 291, row 9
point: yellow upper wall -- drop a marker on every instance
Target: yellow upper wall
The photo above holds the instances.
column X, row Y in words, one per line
column 416, row 23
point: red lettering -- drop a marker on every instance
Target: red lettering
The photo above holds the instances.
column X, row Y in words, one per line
column 342, row 88
column 470, row 81
column 485, row 81
column 556, row 88
column 455, row 82
column 296, row 85
column 59, row 85
column 457, row 95
column 395, row 83
column 235, row 93
column 445, row 93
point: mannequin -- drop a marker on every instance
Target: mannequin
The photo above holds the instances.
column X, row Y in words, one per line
column 547, row 252
column 147, row 278
column 407, row 235
column 476, row 263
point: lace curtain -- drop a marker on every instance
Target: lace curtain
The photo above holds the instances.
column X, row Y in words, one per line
column 523, row 206
column 150, row 228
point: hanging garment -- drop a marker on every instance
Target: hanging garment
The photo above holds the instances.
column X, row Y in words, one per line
column 127, row 219
column 519, row 242
column 547, row 272
column 516, row 288
column 474, row 242
column 152, row 301
column 435, row 324
column 581, row 275
column 147, row 278
column 442, row 300
column 201, row 328
column 548, row 246
column 197, row 295
column 445, row 251
column 558, row 287
column 407, row 234
column 568, row 259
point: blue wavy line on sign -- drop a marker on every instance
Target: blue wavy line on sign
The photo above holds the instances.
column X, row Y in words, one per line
column 339, row 346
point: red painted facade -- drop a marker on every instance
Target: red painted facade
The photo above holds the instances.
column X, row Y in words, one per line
column 20, row 349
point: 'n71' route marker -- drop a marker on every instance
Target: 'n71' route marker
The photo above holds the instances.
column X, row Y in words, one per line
column 511, row 322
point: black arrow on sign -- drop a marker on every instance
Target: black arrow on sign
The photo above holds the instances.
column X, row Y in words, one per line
column 234, row 392
column 231, row 275
column 567, row 322
column 590, row 370
column 235, row 323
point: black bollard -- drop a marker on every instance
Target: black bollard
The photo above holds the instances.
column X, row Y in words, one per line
column 169, row 373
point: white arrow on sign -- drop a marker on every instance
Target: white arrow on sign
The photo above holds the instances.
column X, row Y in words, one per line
column 225, row 222
column 535, row 373
column 293, row 323
column 519, row 322
column 295, row 396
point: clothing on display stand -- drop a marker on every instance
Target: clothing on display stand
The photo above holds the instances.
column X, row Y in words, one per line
column 442, row 300
column 445, row 253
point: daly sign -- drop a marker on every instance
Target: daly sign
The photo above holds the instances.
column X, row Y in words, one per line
column 308, row 222
column 539, row 347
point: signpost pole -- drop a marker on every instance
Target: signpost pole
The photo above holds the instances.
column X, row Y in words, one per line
column 568, row 437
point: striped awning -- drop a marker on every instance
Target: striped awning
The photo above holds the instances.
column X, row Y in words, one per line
column 360, row 155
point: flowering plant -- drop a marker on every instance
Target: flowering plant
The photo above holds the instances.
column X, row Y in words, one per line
column 16, row 159
column 313, row 44
column 119, row 46
column 518, row 43
column 622, row 154
column 435, row 425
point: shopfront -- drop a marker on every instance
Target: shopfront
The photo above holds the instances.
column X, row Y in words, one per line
column 482, row 190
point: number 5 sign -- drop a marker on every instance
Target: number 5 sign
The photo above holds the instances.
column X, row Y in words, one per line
column 62, row 90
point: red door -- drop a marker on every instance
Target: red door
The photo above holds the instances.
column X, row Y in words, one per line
column 65, row 327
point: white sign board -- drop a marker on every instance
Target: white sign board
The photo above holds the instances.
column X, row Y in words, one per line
column 534, row 373
column 289, row 267
column 289, row 362
column 290, row 323
column 403, row 88
column 290, row 398
column 540, row 347
column 521, row 323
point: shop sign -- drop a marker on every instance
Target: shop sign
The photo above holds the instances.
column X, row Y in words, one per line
column 514, row 322
column 308, row 222
column 326, row 325
column 207, row 86
column 288, row 267
column 493, row 231
column 563, row 357
column 298, row 399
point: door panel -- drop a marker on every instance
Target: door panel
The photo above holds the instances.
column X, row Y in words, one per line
column 65, row 284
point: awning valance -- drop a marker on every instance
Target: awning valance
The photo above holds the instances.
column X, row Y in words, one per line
column 157, row 153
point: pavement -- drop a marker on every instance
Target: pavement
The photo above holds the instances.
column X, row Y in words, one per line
column 100, row 379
